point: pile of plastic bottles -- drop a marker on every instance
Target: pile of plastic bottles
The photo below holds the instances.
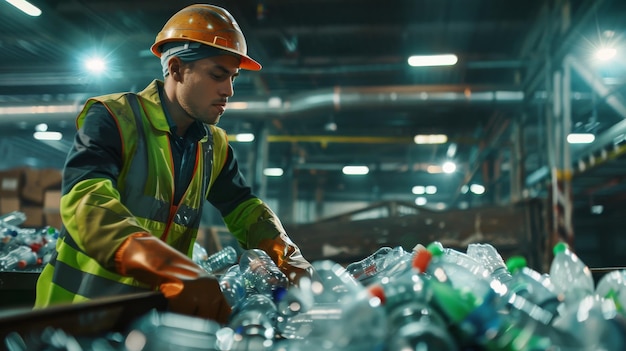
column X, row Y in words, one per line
column 24, row 249
column 430, row 298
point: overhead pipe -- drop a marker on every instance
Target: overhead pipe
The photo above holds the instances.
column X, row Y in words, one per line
column 351, row 98
column 332, row 99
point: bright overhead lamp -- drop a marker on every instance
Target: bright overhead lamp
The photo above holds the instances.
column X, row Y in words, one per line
column 418, row 190
column 95, row 65
column 244, row 137
column 355, row 170
column 430, row 139
column 580, row 138
column 431, row 189
column 273, row 172
column 477, row 189
column 432, row 60
column 48, row 135
column 26, row 7
column 605, row 54
column 448, row 167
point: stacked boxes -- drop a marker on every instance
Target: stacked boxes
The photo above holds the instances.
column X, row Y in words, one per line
column 35, row 192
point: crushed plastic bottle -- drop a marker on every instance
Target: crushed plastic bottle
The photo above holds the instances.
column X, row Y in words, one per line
column 261, row 275
column 220, row 260
column 18, row 258
column 612, row 286
column 233, row 287
column 491, row 259
column 570, row 275
column 475, row 306
column 592, row 323
column 345, row 316
column 376, row 264
column 169, row 331
column 413, row 323
column 533, row 286
column 253, row 322
column 12, row 220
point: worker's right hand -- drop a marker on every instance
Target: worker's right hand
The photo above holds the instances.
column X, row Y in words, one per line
column 189, row 288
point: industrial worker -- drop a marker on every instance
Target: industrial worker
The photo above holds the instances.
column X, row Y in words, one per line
column 141, row 169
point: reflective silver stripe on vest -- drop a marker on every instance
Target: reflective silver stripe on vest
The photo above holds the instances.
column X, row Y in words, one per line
column 88, row 285
column 82, row 283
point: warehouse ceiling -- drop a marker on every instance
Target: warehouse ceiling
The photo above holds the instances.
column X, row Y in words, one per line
column 336, row 89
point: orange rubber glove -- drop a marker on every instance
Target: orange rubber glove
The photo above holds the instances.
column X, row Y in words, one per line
column 189, row 288
column 288, row 258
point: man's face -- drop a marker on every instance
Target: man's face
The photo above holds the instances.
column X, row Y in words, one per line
column 206, row 86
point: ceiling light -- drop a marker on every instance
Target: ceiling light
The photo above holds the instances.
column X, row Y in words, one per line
column 580, row 138
column 273, row 172
column 95, row 65
column 434, row 169
column 418, row 190
column 451, row 150
column 48, row 136
column 26, row 7
column 448, row 167
column 605, row 54
column 355, row 170
column 477, row 189
column 430, row 139
column 244, row 137
column 420, row 201
column 432, row 60
column 41, row 127
column 431, row 189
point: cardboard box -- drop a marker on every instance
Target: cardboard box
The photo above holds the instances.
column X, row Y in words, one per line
column 37, row 181
column 53, row 219
column 9, row 204
column 34, row 216
column 52, row 200
column 11, row 182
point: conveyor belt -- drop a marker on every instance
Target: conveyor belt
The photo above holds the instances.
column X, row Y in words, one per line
column 90, row 318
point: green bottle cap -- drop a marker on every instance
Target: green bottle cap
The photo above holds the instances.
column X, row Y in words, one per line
column 516, row 263
column 561, row 246
column 435, row 248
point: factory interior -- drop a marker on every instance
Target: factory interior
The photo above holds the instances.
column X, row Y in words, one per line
column 518, row 140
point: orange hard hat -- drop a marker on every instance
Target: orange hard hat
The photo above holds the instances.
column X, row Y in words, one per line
column 208, row 25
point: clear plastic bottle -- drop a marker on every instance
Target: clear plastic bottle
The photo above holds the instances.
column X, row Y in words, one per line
column 612, row 286
column 261, row 275
column 491, row 259
column 11, row 260
column 570, row 275
column 592, row 323
column 344, row 316
column 233, row 286
column 413, row 323
column 167, row 331
column 298, row 299
column 375, row 264
column 12, row 219
column 368, row 266
column 220, row 260
column 533, row 286
column 253, row 322
column 198, row 253
column 45, row 252
column 475, row 306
